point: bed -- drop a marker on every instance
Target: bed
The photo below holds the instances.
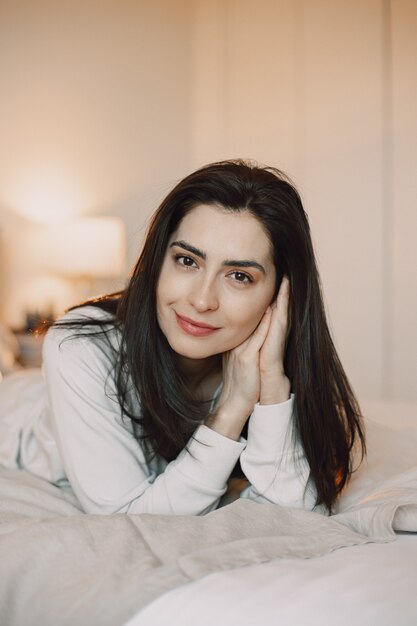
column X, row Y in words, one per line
column 245, row 563
column 372, row 584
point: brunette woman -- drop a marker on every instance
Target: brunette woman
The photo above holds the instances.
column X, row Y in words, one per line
column 216, row 360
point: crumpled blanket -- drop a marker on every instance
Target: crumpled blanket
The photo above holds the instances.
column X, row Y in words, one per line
column 59, row 566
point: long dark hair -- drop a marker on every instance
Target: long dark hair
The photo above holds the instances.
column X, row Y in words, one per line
column 327, row 417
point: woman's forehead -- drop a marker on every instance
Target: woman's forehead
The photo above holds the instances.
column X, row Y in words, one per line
column 222, row 232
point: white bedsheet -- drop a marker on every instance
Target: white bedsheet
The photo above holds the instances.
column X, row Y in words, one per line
column 368, row 585
column 59, row 566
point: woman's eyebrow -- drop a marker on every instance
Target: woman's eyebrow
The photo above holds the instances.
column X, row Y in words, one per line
column 227, row 263
column 189, row 248
column 237, row 263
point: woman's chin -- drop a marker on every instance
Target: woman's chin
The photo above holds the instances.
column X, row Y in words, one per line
column 194, row 354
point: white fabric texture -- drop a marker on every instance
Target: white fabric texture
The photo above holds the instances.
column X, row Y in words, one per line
column 365, row 585
column 65, row 426
column 59, row 566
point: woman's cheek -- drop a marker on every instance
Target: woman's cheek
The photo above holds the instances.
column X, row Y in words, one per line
column 169, row 286
column 256, row 318
column 247, row 326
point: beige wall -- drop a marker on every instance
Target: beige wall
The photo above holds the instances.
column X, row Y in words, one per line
column 402, row 220
column 326, row 90
column 117, row 99
column 94, row 117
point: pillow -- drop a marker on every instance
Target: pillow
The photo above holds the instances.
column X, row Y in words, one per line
column 391, row 460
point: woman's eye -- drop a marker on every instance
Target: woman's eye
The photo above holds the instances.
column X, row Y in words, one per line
column 240, row 277
column 184, row 260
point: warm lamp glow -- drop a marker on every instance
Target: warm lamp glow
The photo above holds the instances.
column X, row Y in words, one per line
column 92, row 247
column 46, row 194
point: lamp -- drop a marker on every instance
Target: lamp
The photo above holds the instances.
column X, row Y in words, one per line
column 86, row 247
column 69, row 257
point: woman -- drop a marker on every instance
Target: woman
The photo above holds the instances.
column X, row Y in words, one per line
column 216, row 356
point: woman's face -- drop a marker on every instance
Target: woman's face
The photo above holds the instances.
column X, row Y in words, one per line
column 218, row 270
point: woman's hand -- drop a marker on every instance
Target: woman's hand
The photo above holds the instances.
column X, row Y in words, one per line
column 254, row 371
column 241, row 382
column 275, row 386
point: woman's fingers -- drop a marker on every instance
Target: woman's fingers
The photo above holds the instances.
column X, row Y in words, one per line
column 241, row 373
column 257, row 338
column 274, row 321
column 261, row 354
column 273, row 349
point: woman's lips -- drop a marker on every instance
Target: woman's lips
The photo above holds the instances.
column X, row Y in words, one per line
column 193, row 328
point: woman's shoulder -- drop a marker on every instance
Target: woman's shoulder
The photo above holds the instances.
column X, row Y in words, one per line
column 84, row 313
column 84, row 320
column 83, row 326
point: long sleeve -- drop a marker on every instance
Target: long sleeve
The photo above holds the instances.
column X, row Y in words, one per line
column 277, row 471
column 103, row 461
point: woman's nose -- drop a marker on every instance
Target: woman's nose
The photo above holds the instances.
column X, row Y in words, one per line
column 203, row 295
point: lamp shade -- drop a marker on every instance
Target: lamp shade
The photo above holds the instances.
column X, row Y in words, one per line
column 86, row 246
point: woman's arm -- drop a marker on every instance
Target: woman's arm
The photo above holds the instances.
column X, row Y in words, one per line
column 273, row 460
column 276, row 469
column 104, row 463
column 254, row 372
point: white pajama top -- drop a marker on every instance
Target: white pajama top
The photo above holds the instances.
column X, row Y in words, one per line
column 64, row 424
